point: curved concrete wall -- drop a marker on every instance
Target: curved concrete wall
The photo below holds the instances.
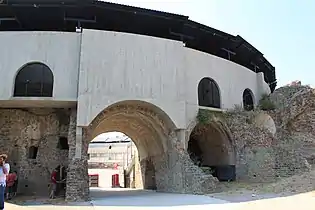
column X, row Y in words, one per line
column 231, row 78
column 114, row 67
column 58, row 50
column 120, row 66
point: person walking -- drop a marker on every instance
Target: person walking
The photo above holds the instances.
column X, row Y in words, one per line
column 53, row 179
column 4, row 171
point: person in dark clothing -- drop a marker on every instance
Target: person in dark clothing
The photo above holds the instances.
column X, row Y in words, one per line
column 15, row 185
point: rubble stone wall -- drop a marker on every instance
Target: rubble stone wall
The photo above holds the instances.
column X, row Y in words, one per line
column 255, row 159
column 22, row 128
column 295, row 137
column 263, row 152
column 78, row 177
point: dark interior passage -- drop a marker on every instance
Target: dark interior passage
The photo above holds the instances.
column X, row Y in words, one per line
column 212, row 151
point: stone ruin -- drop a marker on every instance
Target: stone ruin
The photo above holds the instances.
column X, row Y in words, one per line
column 266, row 144
column 275, row 140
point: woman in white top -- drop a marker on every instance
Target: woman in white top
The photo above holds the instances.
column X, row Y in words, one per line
column 4, row 171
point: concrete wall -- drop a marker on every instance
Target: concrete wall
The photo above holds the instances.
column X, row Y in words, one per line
column 163, row 72
column 231, row 78
column 58, row 50
column 118, row 66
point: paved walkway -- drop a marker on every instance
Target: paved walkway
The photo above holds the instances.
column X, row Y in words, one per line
column 138, row 199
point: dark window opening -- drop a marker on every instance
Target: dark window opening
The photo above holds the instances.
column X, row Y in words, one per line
column 208, row 93
column 34, row 80
column 63, row 143
column 248, row 101
column 32, row 152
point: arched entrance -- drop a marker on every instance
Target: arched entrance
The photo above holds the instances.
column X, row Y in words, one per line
column 210, row 147
column 149, row 128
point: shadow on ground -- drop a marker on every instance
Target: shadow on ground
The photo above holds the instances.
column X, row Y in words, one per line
column 124, row 198
column 148, row 198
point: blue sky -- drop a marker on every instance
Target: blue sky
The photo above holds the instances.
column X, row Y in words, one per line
column 283, row 30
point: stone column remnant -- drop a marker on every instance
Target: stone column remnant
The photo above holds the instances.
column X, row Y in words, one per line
column 77, row 176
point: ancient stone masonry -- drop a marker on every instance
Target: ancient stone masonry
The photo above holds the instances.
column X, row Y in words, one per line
column 178, row 173
column 253, row 144
column 31, row 138
column 249, row 144
column 77, row 177
column 272, row 143
column 165, row 167
column 260, row 145
column 295, row 122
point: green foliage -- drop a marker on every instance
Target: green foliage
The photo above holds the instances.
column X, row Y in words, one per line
column 266, row 103
column 205, row 116
column 207, row 170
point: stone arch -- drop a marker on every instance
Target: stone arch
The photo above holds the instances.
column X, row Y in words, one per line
column 211, row 146
column 34, row 79
column 209, row 93
column 248, row 99
column 147, row 125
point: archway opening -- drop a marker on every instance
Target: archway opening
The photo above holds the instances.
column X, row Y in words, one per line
column 211, row 149
column 34, row 80
column 209, row 93
column 113, row 161
column 149, row 128
column 248, row 101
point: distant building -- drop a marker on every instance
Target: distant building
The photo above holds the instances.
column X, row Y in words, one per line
column 105, row 155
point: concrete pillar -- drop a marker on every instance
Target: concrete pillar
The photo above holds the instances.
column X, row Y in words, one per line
column 77, row 176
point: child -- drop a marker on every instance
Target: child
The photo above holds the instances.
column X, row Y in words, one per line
column 11, row 177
